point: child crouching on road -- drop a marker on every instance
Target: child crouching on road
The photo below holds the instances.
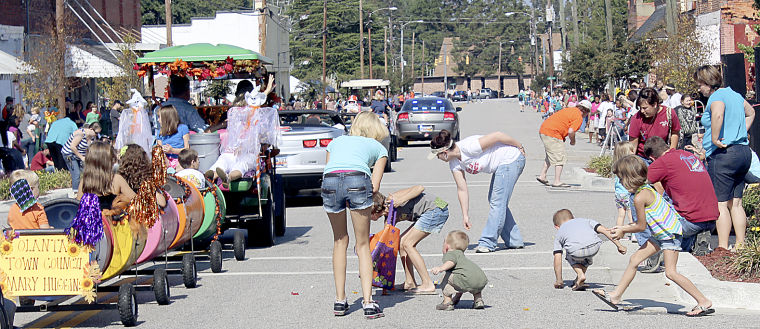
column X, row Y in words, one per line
column 578, row 238
column 462, row 275
column 428, row 214
column 652, row 211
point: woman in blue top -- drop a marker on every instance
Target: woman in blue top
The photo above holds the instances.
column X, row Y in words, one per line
column 173, row 136
column 726, row 120
column 349, row 183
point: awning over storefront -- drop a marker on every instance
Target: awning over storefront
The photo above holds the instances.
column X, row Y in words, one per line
column 83, row 64
column 10, row 66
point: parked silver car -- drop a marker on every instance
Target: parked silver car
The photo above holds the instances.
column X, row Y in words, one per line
column 422, row 118
column 305, row 136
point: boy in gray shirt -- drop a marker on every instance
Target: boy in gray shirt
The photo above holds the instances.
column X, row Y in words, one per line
column 578, row 238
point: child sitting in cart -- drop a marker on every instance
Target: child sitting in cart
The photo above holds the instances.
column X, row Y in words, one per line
column 26, row 213
column 428, row 214
column 188, row 168
column 173, row 137
column 248, row 128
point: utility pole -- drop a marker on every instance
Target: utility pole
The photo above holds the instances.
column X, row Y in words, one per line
column 168, row 7
column 324, row 54
column 671, row 14
column 369, row 38
column 562, row 26
column 576, row 30
column 424, row 68
column 549, row 21
column 361, row 39
column 385, row 50
column 499, row 71
column 534, row 37
column 414, row 75
column 445, row 71
column 263, row 28
column 61, row 48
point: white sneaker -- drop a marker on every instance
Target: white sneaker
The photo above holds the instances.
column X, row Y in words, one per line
column 482, row 250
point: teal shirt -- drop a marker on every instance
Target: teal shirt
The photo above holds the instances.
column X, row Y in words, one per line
column 60, row 131
column 734, row 129
column 354, row 153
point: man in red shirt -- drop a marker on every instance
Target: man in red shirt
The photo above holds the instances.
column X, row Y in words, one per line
column 684, row 177
column 42, row 161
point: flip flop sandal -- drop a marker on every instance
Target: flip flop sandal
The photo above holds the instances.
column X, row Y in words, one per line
column 601, row 294
column 703, row 311
column 563, row 185
column 416, row 291
column 542, row 181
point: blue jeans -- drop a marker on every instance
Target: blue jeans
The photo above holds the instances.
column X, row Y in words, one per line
column 690, row 231
column 500, row 222
column 75, row 168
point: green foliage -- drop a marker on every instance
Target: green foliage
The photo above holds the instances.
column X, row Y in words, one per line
column 118, row 87
column 751, row 200
column 746, row 262
column 539, row 82
column 675, row 59
column 154, row 12
column 48, row 181
column 602, row 165
column 219, row 89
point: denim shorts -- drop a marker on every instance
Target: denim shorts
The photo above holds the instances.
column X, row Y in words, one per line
column 670, row 244
column 346, row 190
column 432, row 220
column 727, row 168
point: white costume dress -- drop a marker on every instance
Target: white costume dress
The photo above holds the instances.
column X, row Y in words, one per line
column 134, row 125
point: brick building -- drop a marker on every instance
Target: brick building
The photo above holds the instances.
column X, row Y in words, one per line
column 456, row 81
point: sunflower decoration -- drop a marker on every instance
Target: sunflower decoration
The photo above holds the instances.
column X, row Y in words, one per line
column 92, row 271
column 87, row 285
column 10, row 234
column 73, row 249
column 7, row 293
column 6, row 248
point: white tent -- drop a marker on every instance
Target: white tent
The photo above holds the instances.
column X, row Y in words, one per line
column 294, row 82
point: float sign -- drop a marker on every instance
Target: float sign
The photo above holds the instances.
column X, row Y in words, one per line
column 42, row 265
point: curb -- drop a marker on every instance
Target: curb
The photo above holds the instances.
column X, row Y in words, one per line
column 64, row 193
column 592, row 181
column 724, row 294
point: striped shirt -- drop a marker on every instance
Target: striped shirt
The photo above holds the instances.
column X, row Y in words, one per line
column 82, row 147
column 662, row 218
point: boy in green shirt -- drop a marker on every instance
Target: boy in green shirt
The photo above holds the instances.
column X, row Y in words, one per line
column 462, row 275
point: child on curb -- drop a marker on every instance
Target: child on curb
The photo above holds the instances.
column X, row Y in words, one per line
column 462, row 275
column 428, row 214
column 622, row 196
column 578, row 238
column 655, row 212
column 188, row 168
column 26, row 213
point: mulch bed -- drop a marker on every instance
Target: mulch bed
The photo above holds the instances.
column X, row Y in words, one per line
column 719, row 264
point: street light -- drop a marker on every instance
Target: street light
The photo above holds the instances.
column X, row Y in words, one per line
column 402, row 44
column 369, row 34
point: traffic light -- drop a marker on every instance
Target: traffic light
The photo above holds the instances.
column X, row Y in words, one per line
column 467, row 60
column 519, row 59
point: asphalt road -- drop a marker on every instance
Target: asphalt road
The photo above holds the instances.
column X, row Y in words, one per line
column 290, row 285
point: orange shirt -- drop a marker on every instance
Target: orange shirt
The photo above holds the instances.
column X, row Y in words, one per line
column 558, row 124
column 32, row 218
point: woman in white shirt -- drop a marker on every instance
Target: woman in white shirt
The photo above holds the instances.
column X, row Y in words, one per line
column 498, row 154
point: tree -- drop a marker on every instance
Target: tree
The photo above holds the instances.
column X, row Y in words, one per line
column 118, row 87
column 218, row 89
column 153, row 12
column 586, row 67
column 675, row 59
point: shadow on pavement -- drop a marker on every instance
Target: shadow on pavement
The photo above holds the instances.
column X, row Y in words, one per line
column 644, row 304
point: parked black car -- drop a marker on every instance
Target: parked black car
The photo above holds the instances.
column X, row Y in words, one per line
column 459, row 96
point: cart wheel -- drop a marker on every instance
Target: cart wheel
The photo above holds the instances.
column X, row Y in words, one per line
column 238, row 245
column 393, row 154
column 263, row 229
column 280, row 221
column 128, row 305
column 215, row 255
column 161, row 286
column 189, row 273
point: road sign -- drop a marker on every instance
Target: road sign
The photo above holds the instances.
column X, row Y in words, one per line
column 552, row 78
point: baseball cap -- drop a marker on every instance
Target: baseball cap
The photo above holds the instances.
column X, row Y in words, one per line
column 585, row 103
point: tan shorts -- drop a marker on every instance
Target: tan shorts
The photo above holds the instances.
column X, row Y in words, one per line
column 555, row 150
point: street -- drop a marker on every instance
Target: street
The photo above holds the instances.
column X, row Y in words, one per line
column 290, row 285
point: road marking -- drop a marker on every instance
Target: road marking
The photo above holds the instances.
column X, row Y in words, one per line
column 490, row 269
column 84, row 316
column 423, row 255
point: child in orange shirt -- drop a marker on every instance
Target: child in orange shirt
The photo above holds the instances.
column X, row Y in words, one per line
column 26, row 213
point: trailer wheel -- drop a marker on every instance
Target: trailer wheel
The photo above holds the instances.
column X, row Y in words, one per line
column 189, row 273
column 127, row 305
column 281, row 220
column 263, row 230
column 215, row 256
column 161, row 286
column 238, row 245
